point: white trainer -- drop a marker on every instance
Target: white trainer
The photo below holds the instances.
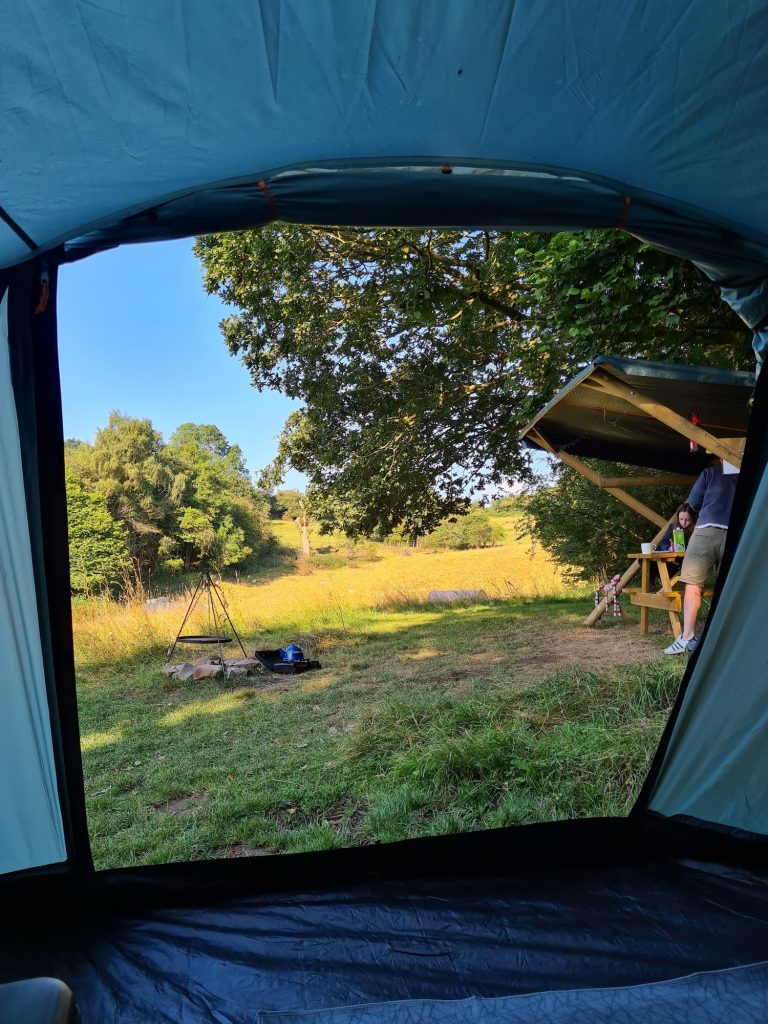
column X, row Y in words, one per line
column 678, row 646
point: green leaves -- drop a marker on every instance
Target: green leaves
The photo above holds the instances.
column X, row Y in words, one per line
column 98, row 553
column 178, row 505
column 586, row 530
column 418, row 355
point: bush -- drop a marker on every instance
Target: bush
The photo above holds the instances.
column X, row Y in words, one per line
column 98, row 552
column 474, row 530
column 331, row 560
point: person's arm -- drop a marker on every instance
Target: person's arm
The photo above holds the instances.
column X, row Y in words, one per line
column 666, row 541
column 699, row 489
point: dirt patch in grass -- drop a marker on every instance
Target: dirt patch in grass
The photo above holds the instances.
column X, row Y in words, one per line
column 457, row 674
column 344, row 813
column 592, row 649
column 243, row 850
column 181, row 806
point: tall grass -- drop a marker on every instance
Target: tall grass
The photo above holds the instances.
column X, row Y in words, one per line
column 376, row 747
column 109, row 632
column 576, row 744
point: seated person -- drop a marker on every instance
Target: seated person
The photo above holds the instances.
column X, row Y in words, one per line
column 685, row 520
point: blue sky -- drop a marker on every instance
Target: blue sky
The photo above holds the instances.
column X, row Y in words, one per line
column 138, row 333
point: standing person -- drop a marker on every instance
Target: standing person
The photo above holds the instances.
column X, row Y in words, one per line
column 712, row 497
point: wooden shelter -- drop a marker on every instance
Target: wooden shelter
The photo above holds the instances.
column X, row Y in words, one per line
column 645, row 414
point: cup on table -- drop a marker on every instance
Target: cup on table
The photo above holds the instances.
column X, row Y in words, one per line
column 647, row 548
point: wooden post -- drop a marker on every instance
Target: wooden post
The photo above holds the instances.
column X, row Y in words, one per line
column 645, row 579
column 666, row 585
column 617, row 492
column 586, row 471
column 618, row 389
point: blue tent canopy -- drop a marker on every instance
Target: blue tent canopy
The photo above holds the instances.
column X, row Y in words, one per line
column 143, row 120
column 139, row 120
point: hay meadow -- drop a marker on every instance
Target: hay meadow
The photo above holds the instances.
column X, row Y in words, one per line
column 424, row 718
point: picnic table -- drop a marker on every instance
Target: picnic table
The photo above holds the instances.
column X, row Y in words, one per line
column 666, row 597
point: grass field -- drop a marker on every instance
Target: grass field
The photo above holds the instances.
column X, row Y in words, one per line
column 316, row 598
column 423, row 719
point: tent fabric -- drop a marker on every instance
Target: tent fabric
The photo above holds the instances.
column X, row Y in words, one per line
column 153, row 119
column 109, row 112
column 32, row 829
column 32, row 351
column 740, row 993
column 592, row 424
column 467, row 197
column 476, row 931
column 750, row 302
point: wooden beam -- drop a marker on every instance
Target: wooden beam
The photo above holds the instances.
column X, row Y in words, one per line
column 613, row 484
column 601, row 608
column 617, row 492
column 618, row 389
column 675, row 480
column 590, row 474
column 657, row 600
column 539, row 438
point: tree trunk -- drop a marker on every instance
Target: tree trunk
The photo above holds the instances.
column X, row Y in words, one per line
column 305, row 548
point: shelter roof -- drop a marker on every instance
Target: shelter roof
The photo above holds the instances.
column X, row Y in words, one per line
column 586, row 420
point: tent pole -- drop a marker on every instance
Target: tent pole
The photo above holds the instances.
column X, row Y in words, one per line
column 606, row 382
column 595, row 478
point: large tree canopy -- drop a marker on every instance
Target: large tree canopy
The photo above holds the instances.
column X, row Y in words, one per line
column 220, row 518
column 125, row 466
column 418, row 355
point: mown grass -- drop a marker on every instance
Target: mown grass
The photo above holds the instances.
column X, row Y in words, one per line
column 423, row 719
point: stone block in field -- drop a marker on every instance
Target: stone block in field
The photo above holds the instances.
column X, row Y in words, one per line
column 206, row 671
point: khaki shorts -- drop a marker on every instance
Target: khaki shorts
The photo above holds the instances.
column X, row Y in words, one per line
column 703, row 555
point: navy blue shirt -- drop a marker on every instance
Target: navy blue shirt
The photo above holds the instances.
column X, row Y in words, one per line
column 712, row 496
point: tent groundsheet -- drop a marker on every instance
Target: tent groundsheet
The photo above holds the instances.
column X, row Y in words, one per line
column 601, row 910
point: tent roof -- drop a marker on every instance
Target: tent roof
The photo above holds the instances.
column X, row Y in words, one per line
column 588, row 422
column 139, row 119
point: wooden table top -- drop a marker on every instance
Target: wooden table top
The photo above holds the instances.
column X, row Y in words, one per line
column 658, row 555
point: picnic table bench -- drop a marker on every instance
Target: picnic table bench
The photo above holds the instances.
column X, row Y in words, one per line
column 669, row 597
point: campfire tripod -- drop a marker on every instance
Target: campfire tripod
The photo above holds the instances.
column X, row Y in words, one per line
column 216, row 617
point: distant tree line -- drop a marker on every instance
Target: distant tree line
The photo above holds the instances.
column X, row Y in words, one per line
column 139, row 506
column 473, row 530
